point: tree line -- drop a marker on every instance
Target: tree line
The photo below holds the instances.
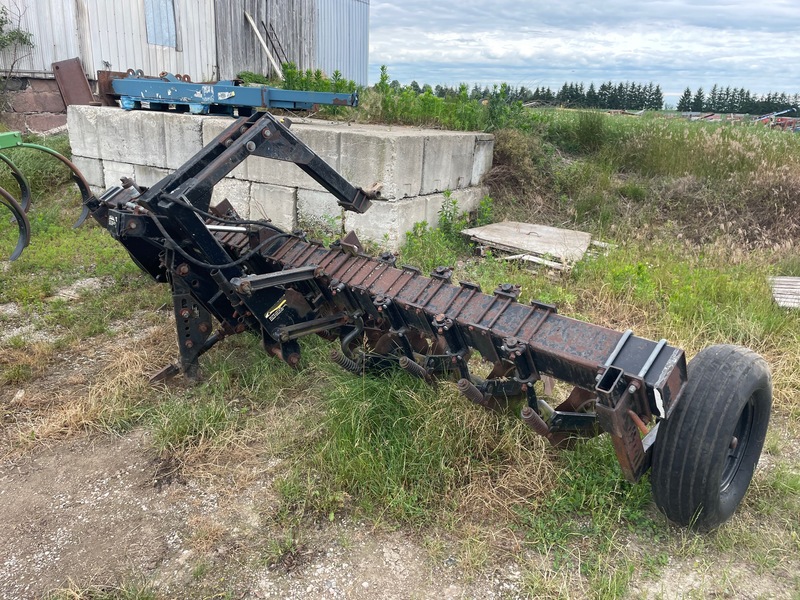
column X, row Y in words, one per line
column 621, row 96
column 627, row 95
column 736, row 100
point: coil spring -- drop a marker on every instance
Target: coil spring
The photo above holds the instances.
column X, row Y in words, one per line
column 466, row 387
column 413, row 367
column 347, row 363
column 534, row 421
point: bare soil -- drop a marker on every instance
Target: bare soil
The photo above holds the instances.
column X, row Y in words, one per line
column 101, row 510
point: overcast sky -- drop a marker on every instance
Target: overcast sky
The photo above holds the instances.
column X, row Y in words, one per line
column 675, row 43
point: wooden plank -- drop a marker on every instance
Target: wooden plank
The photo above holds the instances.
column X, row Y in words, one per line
column 272, row 60
column 537, row 260
column 558, row 245
column 786, row 291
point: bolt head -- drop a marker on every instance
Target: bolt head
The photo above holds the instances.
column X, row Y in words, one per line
column 631, row 389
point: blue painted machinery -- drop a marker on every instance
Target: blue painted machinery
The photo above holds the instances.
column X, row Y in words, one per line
column 168, row 90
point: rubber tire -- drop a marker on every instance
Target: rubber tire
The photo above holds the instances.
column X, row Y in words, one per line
column 728, row 393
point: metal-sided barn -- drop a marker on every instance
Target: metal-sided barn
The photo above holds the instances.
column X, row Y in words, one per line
column 205, row 39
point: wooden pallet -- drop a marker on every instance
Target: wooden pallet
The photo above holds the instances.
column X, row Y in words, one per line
column 786, row 291
column 550, row 246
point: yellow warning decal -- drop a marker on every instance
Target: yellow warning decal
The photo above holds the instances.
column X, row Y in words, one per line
column 276, row 310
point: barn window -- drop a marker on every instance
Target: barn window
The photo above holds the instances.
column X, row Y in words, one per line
column 160, row 20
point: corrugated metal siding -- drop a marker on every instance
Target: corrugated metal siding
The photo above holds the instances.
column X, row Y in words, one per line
column 343, row 38
column 52, row 23
column 324, row 34
column 239, row 50
column 118, row 37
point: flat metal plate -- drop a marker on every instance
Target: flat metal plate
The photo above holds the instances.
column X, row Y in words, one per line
column 72, row 82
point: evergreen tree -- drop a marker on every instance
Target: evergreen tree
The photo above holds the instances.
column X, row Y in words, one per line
column 698, row 101
column 712, row 102
column 685, row 103
column 592, row 98
column 604, row 94
column 657, row 100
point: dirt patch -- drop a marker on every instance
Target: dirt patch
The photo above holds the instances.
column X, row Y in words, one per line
column 81, row 287
column 100, row 511
column 87, row 510
column 362, row 563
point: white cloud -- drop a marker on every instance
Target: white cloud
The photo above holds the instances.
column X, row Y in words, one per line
column 671, row 42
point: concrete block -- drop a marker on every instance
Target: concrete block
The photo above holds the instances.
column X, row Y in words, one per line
column 44, row 85
column 33, row 102
column 237, row 192
column 148, row 176
column 320, row 207
column 40, row 123
column 482, row 159
column 212, row 127
column 13, row 121
column 84, row 135
column 276, row 203
column 447, row 162
column 183, row 138
column 91, row 169
column 467, row 199
column 324, row 142
column 394, row 161
column 114, row 171
column 386, row 222
column 135, row 136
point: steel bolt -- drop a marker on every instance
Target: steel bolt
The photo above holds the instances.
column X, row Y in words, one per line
column 631, row 389
column 266, row 133
column 228, row 143
column 251, row 146
column 243, row 129
column 182, row 270
column 185, row 313
column 189, row 343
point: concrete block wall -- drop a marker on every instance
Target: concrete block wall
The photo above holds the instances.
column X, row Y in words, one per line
column 414, row 167
column 33, row 105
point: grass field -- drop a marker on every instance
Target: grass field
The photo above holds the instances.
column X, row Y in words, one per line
column 700, row 215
